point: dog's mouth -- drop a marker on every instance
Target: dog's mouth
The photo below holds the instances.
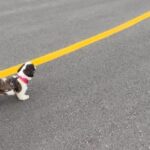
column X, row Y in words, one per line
column 29, row 73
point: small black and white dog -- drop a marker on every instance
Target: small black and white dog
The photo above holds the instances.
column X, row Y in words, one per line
column 18, row 84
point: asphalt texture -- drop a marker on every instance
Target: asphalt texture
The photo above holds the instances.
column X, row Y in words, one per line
column 95, row 99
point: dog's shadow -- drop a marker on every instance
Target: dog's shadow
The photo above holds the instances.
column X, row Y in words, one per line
column 8, row 100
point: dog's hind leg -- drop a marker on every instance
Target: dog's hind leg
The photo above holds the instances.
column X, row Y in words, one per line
column 10, row 93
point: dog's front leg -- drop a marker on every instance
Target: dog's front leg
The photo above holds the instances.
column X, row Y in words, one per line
column 22, row 95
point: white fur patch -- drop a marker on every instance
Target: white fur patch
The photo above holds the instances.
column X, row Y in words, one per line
column 10, row 93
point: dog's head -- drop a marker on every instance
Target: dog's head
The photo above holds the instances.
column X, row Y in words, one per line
column 27, row 70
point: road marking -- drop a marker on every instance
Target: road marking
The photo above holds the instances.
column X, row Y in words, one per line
column 77, row 46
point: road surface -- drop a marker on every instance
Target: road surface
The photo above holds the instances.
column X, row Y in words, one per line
column 95, row 99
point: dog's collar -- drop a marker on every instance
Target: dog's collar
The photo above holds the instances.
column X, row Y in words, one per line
column 24, row 80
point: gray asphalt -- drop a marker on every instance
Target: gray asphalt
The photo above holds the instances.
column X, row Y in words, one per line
column 95, row 99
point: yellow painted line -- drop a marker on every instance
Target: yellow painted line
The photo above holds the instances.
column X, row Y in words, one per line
column 74, row 47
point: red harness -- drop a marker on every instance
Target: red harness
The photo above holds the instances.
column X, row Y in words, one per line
column 25, row 80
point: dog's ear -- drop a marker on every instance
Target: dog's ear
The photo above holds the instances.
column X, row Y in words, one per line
column 20, row 68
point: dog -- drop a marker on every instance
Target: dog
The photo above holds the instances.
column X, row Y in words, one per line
column 18, row 84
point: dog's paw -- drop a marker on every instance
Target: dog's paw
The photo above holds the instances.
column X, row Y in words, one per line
column 23, row 98
column 10, row 93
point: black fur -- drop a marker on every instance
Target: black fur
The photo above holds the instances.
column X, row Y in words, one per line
column 15, row 84
column 29, row 70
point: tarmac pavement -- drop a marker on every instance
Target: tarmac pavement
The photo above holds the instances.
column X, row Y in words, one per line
column 95, row 99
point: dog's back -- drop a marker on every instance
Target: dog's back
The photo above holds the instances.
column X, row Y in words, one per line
column 4, row 86
column 8, row 85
